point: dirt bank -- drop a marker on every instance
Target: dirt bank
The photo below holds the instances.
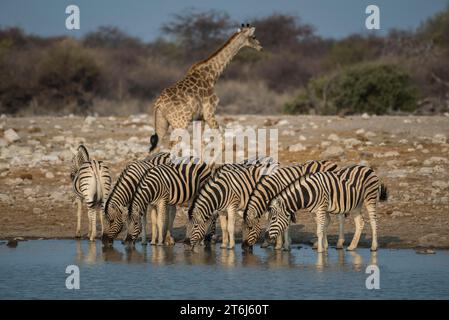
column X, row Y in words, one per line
column 410, row 154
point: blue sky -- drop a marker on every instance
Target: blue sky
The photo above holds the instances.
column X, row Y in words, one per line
column 143, row 18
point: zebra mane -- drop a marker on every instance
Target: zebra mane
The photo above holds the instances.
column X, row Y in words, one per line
column 119, row 179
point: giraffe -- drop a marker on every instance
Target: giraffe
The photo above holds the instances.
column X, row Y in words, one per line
column 194, row 96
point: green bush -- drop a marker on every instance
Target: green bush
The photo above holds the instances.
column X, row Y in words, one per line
column 374, row 88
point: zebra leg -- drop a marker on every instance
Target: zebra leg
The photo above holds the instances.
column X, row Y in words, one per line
column 287, row 240
column 231, row 228
column 373, row 222
column 78, row 218
column 144, row 228
column 93, row 223
column 359, row 223
column 326, row 226
column 153, row 217
column 161, row 216
column 341, row 232
column 224, row 231
column 169, row 240
column 102, row 223
column 279, row 239
column 320, row 226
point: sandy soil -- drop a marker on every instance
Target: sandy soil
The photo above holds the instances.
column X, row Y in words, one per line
column 410, row 154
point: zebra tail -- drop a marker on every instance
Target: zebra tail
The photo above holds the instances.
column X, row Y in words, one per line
column 383, row 193
column 154, row 140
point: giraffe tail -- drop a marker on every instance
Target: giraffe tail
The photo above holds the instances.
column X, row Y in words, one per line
column 154, row 140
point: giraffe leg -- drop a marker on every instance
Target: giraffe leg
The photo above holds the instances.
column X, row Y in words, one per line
column 78, row 218
column 160, row 127
column 359, row 223
column 341, row 232
column 373, row 222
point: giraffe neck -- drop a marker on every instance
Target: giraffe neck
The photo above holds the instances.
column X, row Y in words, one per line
column 218, row 61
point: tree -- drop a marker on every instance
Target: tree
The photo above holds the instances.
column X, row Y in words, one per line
column 199, row 33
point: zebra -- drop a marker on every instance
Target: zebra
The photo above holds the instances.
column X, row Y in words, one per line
column 116, row 206
column 91, row 182
column 226, row 192
column 265, row 190
column 167, row 184
column 330, row 192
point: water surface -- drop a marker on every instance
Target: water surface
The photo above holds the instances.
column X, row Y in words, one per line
column 36, row 270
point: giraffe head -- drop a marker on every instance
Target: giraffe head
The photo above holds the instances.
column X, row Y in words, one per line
column 247, row 32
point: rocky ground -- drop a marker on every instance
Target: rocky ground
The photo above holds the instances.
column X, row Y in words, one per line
column 410, row 154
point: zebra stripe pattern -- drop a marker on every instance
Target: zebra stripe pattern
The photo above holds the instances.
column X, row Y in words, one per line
column 228, row 190
column 267, row 188
column 330, row 192
column 167, row 184
column 116, row 206
column 91, row 184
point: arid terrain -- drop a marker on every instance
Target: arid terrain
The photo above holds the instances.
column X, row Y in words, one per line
column 410, row 154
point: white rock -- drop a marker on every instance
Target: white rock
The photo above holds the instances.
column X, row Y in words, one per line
column 290, row 133
column 397, row 173
column 89, row 120
column 439, row 139
column 65, row 155
column 369, row 134
column 283, row 122
column 333, row 137
column 365, row 116
column 360, row 131
column 58, row 138
column 433, row 160
column 37, row 211
column 4, row 198
column 387, row 154
column 3, row 143
column 325, row 144
column 50, row 158
column 351, row 142
column 49, row 175
column 11, row 136
column 297, row 147
column 440, row 184
column 426, row 170
column 112, row 118
column 332, row 152
column 28, row 191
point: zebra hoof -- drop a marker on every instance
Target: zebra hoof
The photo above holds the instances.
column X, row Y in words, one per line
column 286, row 249
column 373, row 249
column 350, row 248
column 159, row 244
column 223, row 246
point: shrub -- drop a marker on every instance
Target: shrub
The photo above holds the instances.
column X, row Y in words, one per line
column 369, row 87
column 67, row 74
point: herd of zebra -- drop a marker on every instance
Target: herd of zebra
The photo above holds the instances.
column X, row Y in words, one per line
column 257, row 188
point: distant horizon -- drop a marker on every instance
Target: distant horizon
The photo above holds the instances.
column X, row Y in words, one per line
column 143, row 19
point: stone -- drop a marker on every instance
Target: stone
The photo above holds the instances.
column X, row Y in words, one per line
column 369, row 134
column 360, row 131
column 365, row 116
column 49, row 175
column 429, row 239
column 387, row 154
column 440, row 184
column 332, row 152
column 89, row 120
column 37, row 211
column 28, row 191
column 11, row 136
column 351, row 142
column 333, row 137
column 433, row 160
column 297, row 147
column 283, row 122
column 4, row 198
column 3, row 143
column 439, row 138
column 426, row 170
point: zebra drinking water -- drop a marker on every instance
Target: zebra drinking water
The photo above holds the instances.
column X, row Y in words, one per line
column 265, row 190
column 334, row 193
column 118, row 201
